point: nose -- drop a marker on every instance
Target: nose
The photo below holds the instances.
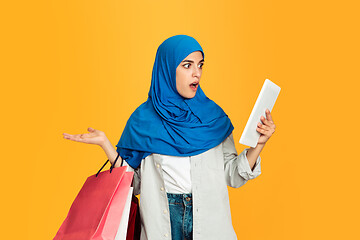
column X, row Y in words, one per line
column 197, row 72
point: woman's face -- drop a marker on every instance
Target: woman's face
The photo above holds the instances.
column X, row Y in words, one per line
column 188, row 74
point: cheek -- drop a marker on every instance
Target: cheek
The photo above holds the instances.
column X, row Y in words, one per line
column 180, row 80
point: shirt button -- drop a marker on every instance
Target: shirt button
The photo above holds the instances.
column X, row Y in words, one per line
column 157, row 165
column 162, row 189
column 166, row 235
column 165, row 211
column 187, row 199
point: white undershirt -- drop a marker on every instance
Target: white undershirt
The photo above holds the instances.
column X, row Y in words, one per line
column 176, row 173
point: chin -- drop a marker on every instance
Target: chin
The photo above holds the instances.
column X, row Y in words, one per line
column 188, row 95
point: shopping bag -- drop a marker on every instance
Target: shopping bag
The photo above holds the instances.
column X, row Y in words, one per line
column 96, row 211
column 130, row 225
column 134, row 223
column 123, row 226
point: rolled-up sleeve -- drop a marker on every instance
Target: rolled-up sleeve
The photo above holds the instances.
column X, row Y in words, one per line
column 237, row 168
column 244, row 166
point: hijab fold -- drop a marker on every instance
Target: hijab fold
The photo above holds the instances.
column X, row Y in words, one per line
column 168, row 123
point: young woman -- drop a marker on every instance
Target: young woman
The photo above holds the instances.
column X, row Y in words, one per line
column 180, row 145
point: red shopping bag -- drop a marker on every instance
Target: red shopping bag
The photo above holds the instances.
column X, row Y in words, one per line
column 97, row 209
column 134, row 227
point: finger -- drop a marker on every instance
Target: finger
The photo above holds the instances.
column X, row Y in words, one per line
column 262, row 126
column 77, row 137
column 267, row 122
column 68, row 136
column 270, row 128
column 267, row 132
column 72, row 137
column 262, row 131
column 83, row 138
column 268, row 115
column 259, row 130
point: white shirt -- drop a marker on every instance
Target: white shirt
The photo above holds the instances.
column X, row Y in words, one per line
column 176, row 173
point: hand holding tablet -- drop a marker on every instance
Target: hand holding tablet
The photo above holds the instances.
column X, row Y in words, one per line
column 266, row 100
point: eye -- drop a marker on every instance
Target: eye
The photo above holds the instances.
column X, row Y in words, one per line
column 201, row 65
column 187, row 64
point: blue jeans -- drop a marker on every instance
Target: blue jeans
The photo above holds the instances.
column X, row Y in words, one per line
column 180, row 206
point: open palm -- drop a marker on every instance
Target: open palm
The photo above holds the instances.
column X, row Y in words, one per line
column 93, row 137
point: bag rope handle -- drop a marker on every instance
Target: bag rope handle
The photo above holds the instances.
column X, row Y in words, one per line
column 111, row 167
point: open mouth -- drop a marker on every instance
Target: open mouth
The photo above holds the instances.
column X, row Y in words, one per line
column 194, row 85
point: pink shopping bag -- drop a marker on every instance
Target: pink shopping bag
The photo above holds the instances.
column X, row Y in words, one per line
column 97, row 209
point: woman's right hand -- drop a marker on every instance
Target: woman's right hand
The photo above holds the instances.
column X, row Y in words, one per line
column 93, row 137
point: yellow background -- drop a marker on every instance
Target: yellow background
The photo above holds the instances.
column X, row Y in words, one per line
column 69, row 65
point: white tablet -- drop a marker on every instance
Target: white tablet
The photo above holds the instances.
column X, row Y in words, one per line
column 266, row 100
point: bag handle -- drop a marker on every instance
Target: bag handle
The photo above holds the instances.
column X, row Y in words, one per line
column 111, row 167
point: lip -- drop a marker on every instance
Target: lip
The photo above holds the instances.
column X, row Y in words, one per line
column 194, row 88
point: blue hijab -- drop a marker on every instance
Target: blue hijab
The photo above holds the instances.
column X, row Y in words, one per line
column 168, row 123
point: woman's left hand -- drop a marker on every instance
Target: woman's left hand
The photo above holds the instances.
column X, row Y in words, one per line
column 267, row 129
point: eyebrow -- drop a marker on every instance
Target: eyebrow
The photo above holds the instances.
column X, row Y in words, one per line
column 191, row 61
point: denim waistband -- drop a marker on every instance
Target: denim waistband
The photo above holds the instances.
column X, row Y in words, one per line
column 178, row 198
